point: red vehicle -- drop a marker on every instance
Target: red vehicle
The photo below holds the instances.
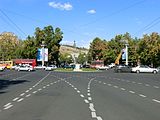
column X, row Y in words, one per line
column 31, row 62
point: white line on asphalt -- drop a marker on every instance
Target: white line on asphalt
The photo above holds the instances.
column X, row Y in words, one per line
column 141, row 95
column 44, row 87
column 115, row 86
column 48, row 85
column 104, row 83
column 15, row 99
column 156, row 100
column 20, row 100
column 82, row 95
column 92, row 108
column 30, row 88
column 132, row 92
column 147, row 85
column 78, row 91
column 86, row 101
column 39, row 89
column 28, row 95
column 123, row 89
column 93, row 114
column 109, row 84
column 8, row 107
column 89, row 98
column 89, row 94
column 99, row 118
column 34, row 92
column 27, row 91
column 88, row 90
column 22, row 94
column 75, row 88
column 155, row 86
column 140, row 83
column 7, row 104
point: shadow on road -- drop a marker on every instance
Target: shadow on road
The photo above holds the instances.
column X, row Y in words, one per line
column 6, row 83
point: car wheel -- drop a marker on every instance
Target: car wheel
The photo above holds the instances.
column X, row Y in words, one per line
column 18, row 70
column 137, row 71
column 154, row 71
column 29, row 70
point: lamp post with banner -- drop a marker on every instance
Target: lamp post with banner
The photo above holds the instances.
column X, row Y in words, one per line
column 125, row 50
column 43, row 52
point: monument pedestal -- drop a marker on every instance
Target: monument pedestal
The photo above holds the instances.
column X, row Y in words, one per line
column 77, row 67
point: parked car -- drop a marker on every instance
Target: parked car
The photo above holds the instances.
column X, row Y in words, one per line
column 144, row 69
column 24, row 68
column 103, row 68
column 51, row 67
column 122, row 68
column 2, row 68
column 40, row 67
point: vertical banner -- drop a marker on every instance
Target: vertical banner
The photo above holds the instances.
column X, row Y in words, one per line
column 42, row 55
column 46, row 54
column 124, row 54
column 39, row 54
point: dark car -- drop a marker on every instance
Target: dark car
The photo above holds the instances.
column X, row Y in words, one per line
column 122, row 68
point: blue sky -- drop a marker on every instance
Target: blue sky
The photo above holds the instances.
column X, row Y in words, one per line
column 81, row 20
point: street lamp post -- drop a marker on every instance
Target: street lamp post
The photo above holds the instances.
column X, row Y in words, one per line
column 43, row 53
column 126, row 48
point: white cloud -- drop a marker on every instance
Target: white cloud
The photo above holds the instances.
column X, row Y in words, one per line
column 60, row 6
column 91, row 11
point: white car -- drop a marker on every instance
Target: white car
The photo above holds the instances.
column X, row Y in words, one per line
column 51, row 67
column 144, row 69
column 2, row 68
column 25, row 68
column 103, row 67
column 40, row 67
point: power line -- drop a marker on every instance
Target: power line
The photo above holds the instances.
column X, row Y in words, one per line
column 18, row 28
column 116, row 12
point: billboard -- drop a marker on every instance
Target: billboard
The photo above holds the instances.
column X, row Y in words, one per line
column 42, row 54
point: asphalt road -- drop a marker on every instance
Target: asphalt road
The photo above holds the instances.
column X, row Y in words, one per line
column 49, row 95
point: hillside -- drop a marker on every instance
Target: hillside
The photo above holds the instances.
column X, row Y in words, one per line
column 72, row 50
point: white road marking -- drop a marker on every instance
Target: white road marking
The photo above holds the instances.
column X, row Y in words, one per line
column 156, row 87
column 7, row 104
column 8, row 107
column 28, row 95
column 27, row 91
column 86, row 101
column 82, row 96
column 15, row 99
column 147, row 85
column 133, row 82
column 104, row 83
column 78, row 91
column 123, row 89
column 141, row 95
column 75, row 88
column 99, row 118
column 44, row 87
column 48, row 85
column 89, row 98
column 39, row 89
column 89, row 94
column 20, row 100
column 93, row 114
column 156, row 100
column 115, row 86
column 34, row 92
column 92, row 108
column 88, row 90
column 140, row 83
column 30, row 88
column 109, row 84
column 22, row 94
column 132, row 92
